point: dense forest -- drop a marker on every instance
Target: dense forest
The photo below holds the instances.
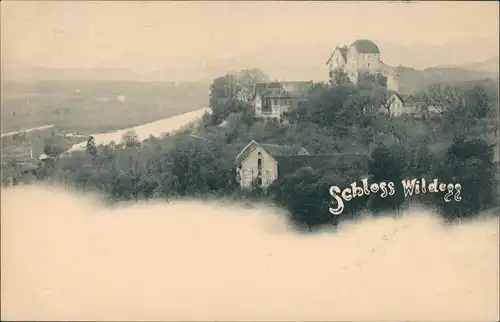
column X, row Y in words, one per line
column 456, row 145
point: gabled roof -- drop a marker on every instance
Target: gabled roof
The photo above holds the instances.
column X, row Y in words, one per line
column 275, row 150
column 261, row 87
column 407, row 100
column 391, row 93
column 283, row 150
column 410, row 100
column 365, row 46
column 343, row 51
column 292, row 87
column 290, row 164
column 280, row 93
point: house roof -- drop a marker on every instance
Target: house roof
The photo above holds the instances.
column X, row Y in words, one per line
column 280, row 93
column 409, row 100
column 343, row 51
column 291, row 88
column 365, row 46
column 261, row 87
column 391, row 93
column 274, row 150
column 282, row 150
column 290, row 164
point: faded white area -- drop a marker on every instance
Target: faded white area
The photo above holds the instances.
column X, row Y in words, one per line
column 156, row 128
column 67, row 258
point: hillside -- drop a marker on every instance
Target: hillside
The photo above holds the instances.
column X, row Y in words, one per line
column 488, row 65
column 412, row 80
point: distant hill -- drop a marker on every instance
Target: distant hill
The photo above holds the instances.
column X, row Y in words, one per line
column 19, row 72
column 412, row 80
column 489, row 65
column 302, row 65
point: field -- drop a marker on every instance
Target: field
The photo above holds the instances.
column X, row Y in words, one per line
column 95, row 107
column 17, row 147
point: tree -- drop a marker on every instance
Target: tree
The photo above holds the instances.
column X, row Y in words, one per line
column 326, row 106
column 305, row 196
column 367, row 80
column 52, row 149
column 385, row 166
column 91, row 147
column 232, row 87
column 246, row 80
column 130, row 139
column 468, row 162
column 339, row 77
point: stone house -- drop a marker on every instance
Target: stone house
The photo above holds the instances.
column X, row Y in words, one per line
column 258, row 162
column 398, row 105
column 262, row 164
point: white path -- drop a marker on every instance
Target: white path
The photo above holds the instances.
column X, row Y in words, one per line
column 143, row 131
column 28, row 130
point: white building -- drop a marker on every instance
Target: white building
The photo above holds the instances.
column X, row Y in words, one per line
column 263, row 163
column 259, row 163
column 271, row 100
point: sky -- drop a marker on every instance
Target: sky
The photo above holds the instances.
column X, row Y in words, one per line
column 146, row 36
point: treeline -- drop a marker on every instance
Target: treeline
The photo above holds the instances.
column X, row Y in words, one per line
column 454, row 145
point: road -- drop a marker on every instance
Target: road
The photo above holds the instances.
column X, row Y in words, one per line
column 28, row 130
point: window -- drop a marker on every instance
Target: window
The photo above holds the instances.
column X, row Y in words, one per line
column 238, row 174
column 275, row 102
column 259, row 164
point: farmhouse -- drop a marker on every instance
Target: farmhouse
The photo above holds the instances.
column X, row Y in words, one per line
column 271, row 100
column 398, row 105
column 361, row 56
column 261, row 164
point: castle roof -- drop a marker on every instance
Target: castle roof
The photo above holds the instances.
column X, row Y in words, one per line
column 365, row 46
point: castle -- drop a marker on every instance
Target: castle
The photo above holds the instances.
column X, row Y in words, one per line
column 272, row 100
column 361, row 56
